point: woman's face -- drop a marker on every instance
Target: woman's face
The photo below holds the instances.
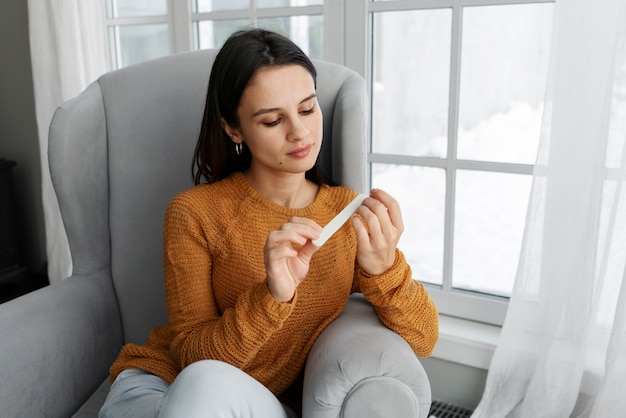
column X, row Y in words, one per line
column 280, row 121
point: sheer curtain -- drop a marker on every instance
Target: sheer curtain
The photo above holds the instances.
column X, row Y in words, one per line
column 562, row 350
column 67, row 42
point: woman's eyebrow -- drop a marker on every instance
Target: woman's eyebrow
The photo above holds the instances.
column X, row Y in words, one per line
column 274, row 109
column 308, row 98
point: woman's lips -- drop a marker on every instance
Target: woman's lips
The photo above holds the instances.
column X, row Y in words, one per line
column 301, row 152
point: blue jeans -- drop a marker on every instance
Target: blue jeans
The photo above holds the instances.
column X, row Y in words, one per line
column 207, row 388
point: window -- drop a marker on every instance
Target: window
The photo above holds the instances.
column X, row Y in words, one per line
column 457, row 94
column 143, row 29
column 300, row 20
column 137, row 30
column 456, row 90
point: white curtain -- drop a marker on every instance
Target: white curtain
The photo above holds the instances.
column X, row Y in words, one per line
column 67, row 42
column 562, row 351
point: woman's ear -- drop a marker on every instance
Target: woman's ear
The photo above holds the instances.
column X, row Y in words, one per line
column 230, row 131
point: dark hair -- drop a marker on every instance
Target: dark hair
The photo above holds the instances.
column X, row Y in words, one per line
column 243, row 53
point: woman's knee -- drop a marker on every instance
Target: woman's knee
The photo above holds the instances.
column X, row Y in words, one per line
column 214, row 377
column 220, row 388
column 135, row 393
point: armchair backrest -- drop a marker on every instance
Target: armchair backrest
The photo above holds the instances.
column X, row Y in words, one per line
column 122, row 149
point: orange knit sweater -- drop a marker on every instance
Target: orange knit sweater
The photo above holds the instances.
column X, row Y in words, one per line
column 218, row 304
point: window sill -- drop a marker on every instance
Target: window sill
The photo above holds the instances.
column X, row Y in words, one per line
column 466, row 342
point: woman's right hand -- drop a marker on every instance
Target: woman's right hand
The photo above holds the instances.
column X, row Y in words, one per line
column 288, row 252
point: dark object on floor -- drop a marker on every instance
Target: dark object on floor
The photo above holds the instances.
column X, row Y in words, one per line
column 445, row 410
column 20, row 282
column 10, row 291
column 12, row 272
column 9, row 257
column 15, row 278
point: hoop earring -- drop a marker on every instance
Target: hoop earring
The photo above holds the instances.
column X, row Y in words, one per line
column 238, row 148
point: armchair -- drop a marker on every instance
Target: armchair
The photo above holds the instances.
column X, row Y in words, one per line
column 118, row 153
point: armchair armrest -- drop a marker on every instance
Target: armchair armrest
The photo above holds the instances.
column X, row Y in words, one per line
column 56, row 345
column 358, row 367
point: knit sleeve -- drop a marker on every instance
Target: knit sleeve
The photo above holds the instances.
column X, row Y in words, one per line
column 403, row 305
column 199, row 331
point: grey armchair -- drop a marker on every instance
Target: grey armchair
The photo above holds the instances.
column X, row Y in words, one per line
column 118, row 153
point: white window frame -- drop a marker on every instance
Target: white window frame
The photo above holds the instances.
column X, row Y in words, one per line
column 181, row 20
column 483, row 308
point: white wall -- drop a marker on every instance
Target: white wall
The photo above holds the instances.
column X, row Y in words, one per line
column 455, row 383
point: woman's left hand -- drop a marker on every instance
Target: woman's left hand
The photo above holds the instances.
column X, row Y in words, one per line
column 377, row 243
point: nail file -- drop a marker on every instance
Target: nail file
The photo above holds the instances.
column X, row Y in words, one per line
column 339, row 220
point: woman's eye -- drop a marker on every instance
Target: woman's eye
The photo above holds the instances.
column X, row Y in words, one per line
column 308, row 111
column 272, row 123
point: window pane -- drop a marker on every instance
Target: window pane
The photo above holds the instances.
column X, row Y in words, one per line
column 202, row 6
column 137, row 43
column 213, row 33
column 283, row 3
column 129, row 8
column 504, row 61
column 488, row 226
column 411, row 82
column 421, row 194
column 306, row 31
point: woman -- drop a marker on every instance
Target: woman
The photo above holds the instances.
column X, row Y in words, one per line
column 247, row 291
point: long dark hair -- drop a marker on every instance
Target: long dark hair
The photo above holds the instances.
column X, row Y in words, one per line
column 244, row 52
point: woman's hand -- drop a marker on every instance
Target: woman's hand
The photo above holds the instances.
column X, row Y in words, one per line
column 287, row 267
column 377, row 243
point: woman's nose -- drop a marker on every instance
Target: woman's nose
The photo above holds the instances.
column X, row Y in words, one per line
column 297, row 129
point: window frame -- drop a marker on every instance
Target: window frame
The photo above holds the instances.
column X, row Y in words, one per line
column 182, row 20
column 474, row 306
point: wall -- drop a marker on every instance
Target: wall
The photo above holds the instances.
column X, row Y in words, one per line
column 455, row 383
column 18, row 130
